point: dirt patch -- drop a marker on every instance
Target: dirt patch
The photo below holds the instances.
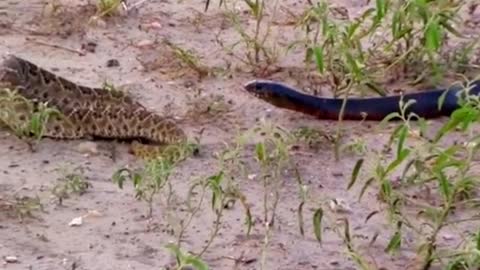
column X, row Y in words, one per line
column 201, row 84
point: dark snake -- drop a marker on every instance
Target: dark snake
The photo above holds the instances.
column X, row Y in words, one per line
column 426, row 103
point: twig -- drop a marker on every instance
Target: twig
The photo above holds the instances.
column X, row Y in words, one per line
column 127, row 8
column 39, row 42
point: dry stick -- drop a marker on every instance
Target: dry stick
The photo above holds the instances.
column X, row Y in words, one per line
column 124, row 5
column 136, row 5
column 39, row 42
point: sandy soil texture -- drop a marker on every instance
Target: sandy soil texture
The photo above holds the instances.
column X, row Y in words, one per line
column 115, row 233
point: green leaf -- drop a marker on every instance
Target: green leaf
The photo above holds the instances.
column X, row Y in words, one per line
column 261, row 152
column 451, row 29
column 119, row 178
column 300, row 218
column 477, row 240
column 395, row 243
column 389, row 117
column 397, row 24
column 217, row 192
column 422, row 9
column 353, row 65
column 254, row 7
column 400, row 158
column 387, row 189
column 346, row 233
column 401, row 139
column 433, row 36
column 465, row 115
column 355, row 171
column 175, row 251
column 195, row 262
column 364, row 188
column 458, row 264
column 308, row 55
column 375, row 88
column 319, row 59
column 137, row 180
column 381, row 7
column 444, row 185
column 317, row 224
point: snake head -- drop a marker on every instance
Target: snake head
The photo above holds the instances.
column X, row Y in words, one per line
column 12, row 70
column 263, row 89
column 275, row 93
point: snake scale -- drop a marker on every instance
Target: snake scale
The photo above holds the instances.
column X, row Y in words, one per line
column 426, row 102
column 88, row 112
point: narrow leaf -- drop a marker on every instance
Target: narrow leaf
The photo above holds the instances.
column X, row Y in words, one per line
column 395, row 243
column 317, row 224
column 433, row 36
column 355, row 172
column 319, row 59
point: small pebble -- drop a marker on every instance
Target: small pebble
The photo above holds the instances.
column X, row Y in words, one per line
column 87, row 148
column 11, row 259
column 448, row 237
column 76, row 222
column 156, row 25
column 144, row 43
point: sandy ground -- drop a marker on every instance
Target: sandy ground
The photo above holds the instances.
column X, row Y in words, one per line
column 121, row 238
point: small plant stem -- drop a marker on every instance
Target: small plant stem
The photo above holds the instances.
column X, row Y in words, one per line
column 266, row 242
column 258, row 18
column 340, row 121
column 214, row 233
column 440, row 224
column 274, row 207
column 185, row 225
column 398, row 59
column 265, row 200
column 150, row 205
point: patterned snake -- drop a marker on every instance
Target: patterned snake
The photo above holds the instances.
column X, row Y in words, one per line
column 88, row 112
column 377, row 108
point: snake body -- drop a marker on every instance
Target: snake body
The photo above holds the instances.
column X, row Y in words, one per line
column 426, row 103
column 86, row 112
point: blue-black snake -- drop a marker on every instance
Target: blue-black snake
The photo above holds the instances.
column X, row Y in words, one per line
column 426, row 103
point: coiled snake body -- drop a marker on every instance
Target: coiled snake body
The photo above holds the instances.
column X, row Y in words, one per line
column 426, row 103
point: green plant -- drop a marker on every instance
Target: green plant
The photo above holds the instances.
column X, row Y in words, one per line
column 108, row 7
column 406, row 36
column 26, row 119
column 148, row 181
column 223, row 193
column 185, row 260
column 21, row 206
column 314, row 138
column 189, row 58
column 411, row 32
column 258, row 52
column 154, row 178
column 272, row 157
column 70, row 183
column 445, row 169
